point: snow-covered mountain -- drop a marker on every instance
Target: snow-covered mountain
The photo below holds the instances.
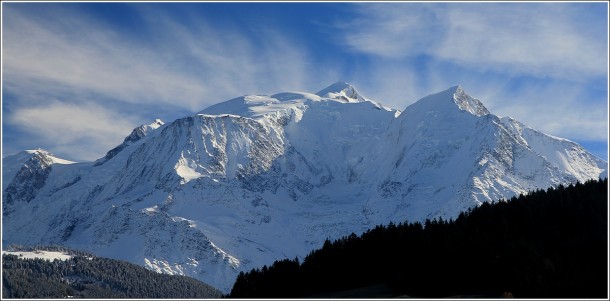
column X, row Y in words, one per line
column 264, row 177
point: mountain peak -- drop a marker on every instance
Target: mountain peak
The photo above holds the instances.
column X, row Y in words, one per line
column 211, row 195
column 157, row 123
column 44, row 155
column 135, row 135
column 341, row 91
column 457, row 96
column 468, row 103
column 36, row 151
column 143, row 130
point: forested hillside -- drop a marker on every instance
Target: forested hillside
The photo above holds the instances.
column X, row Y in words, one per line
column 86, row 276
column 548, row 244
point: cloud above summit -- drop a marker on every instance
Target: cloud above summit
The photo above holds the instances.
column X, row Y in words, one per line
column 135, row 62
column 542, row 63
column 186, row 64
column 540, row 39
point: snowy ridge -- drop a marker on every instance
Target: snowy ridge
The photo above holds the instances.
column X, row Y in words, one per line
column 137, row 134
column 568, row 156
column 12, row 163
column 264, row 177
column 467, row 103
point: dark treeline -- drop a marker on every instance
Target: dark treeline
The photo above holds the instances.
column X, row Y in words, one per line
column 93, row 277
column 548, row 244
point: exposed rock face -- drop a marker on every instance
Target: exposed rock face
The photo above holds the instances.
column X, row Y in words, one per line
column 28, row 181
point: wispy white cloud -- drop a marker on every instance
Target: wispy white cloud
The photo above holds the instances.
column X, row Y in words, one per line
column 190, row 65
column 393, row 30
column 185, row 63
column 79, row 129
column 541, row 39
column 392, row 84
column 396, row 53
column 544, row 64
column 83, row 57
column 562, row 108
column 536, row 39
column 557, row 108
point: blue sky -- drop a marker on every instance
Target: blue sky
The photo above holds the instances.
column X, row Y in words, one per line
column 78, row 77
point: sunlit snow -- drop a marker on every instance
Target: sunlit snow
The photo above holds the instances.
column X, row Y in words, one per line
column 264, row 177
column 47, row 255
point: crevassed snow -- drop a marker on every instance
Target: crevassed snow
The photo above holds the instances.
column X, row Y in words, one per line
column 257, row 106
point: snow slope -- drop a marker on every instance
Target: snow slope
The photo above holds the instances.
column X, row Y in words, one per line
column 264, row 177
column 46, row 255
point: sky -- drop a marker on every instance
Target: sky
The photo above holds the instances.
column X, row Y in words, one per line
column 78, row 77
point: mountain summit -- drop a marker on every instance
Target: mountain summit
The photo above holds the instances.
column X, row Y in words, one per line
column 448, row 100
column 342, row 91
column 468, row 103
column 264, row 177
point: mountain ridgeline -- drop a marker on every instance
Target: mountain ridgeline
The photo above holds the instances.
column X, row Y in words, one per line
column 258, row 178
column 548, row 244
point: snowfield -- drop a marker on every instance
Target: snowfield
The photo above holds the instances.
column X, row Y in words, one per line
column 46, row 255
column 264, row 177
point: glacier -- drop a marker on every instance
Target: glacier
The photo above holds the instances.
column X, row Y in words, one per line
column 264, row 177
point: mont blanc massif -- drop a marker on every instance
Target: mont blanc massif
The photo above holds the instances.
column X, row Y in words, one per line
column 264, row 177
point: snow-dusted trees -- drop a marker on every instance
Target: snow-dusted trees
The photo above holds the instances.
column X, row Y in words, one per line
column 93, row 277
